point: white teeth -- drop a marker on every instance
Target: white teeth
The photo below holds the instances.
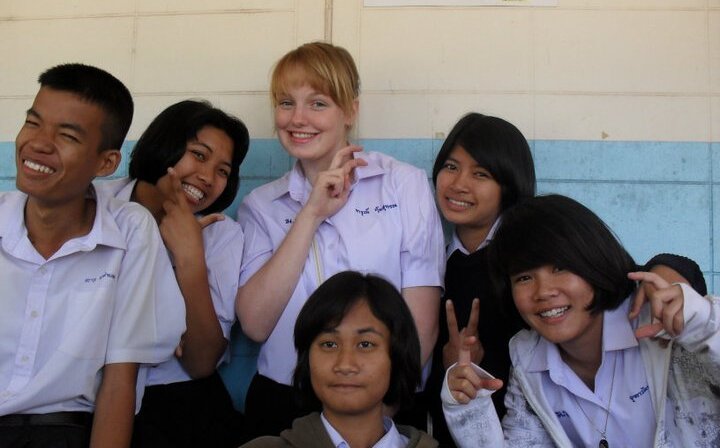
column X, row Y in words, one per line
column 37, row 167
column 555, row 312
column 459, row 203
column 301, row 135
column 194, row 192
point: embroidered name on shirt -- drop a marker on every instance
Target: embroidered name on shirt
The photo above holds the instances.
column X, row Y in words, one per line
column 289, row 220
column 561, row 414
column 363, row 212
column 382, row 208
column 105, row 276
column 643, row 391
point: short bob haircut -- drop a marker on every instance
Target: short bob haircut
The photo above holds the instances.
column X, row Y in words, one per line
column 499, row 147
column 560, row 231
column 325, row 67
column 98, row 87
column 164, row 143
column 327, row 307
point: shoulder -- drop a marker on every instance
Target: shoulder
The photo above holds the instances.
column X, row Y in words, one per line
column 523, row 344
column 417, row 438
column 127, row 215
column 268, row 192
column 266, row 442
column 393, row 167
column 12, row 200
column 223, row 231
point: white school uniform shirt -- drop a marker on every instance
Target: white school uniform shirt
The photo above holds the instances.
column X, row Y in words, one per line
column 389, row 227
column 91, row 303
column 566, row 393
column 391, row 439
column 223, row 243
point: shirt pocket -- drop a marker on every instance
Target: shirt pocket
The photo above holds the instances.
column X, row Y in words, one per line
column 375, row 249
column 87, row 323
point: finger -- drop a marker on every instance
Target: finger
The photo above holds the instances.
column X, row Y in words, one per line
column 638, row 302
column 647, row 331
column 491, row 384
column 453, row 332
column 671, row 309
column 178, row 195
column 209, row 219
column 343, row 155
column 472, row 326
column 464, row 352
column 649, row 277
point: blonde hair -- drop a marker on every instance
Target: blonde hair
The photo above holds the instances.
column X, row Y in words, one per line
column 325, row 67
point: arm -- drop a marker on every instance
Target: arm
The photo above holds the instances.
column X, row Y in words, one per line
column 203, row 343
column 262, row 299
column 115, row 406
column 424, row 304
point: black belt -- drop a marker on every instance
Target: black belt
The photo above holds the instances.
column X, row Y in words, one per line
column 82, row 419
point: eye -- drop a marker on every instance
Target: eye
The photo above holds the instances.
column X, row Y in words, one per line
column 318, row 105
column 285, row 104
column 557, row 269
column 224, row 172
column 520, row 278
column 327, row 345
column 450, row 166
column 482, row 175
column 30, row 123
column 69, row 137
column 198, row 154
column 366, row 344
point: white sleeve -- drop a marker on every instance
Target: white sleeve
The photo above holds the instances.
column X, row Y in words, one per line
column 702, row 323
column 258, row 246
column 476, row 424
column 422, row 256
column 223, row 242
column 149, row 312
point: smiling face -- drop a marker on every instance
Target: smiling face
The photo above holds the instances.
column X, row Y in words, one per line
column 311, row 126
column 350, row 364
column 57, row 148
column 468, row 196
column 205, row 167
column 554, row 303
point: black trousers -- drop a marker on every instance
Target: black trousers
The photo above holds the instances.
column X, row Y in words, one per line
column 271, row 407
column 68, row 430
column 189, row 414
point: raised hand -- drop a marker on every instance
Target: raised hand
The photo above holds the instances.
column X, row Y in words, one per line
column 457, row 337
column 332, row 186
column 666, row 305
column 180, row 229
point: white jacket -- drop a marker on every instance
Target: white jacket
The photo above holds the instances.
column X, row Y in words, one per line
column 687, row 371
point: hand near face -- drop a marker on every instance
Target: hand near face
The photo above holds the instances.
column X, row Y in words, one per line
column 666, row 304
column 458, row 337
column 332, row 186
column 180, row 229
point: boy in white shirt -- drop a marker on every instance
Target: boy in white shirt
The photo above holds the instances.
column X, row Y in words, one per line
column 78, row 309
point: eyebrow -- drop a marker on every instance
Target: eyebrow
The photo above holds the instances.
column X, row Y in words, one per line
column 358, row 331
column 71, row 126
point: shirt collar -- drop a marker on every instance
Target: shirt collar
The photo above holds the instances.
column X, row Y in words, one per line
column 456, row 244
column 104, row 231
column 391, row 439
column 298, row 187
column 618, row 334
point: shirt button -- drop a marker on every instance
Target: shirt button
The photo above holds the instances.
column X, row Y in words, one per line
column 42, row 270
column 33, row 314
column 24, row 359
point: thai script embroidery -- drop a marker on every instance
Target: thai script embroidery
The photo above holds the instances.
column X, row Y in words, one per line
column 363, row 212
column 382, row 208
column 289, row 220
column 643, row 391
column 103, row 276
column 561, row 414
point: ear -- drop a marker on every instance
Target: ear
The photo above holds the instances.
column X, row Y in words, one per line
column 108, row 161
column 350, row 120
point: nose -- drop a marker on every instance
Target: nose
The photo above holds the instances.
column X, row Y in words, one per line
column 346, row 361
column 298, row 115
column 546, row 288
column 205, row 174
column 459, row 182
